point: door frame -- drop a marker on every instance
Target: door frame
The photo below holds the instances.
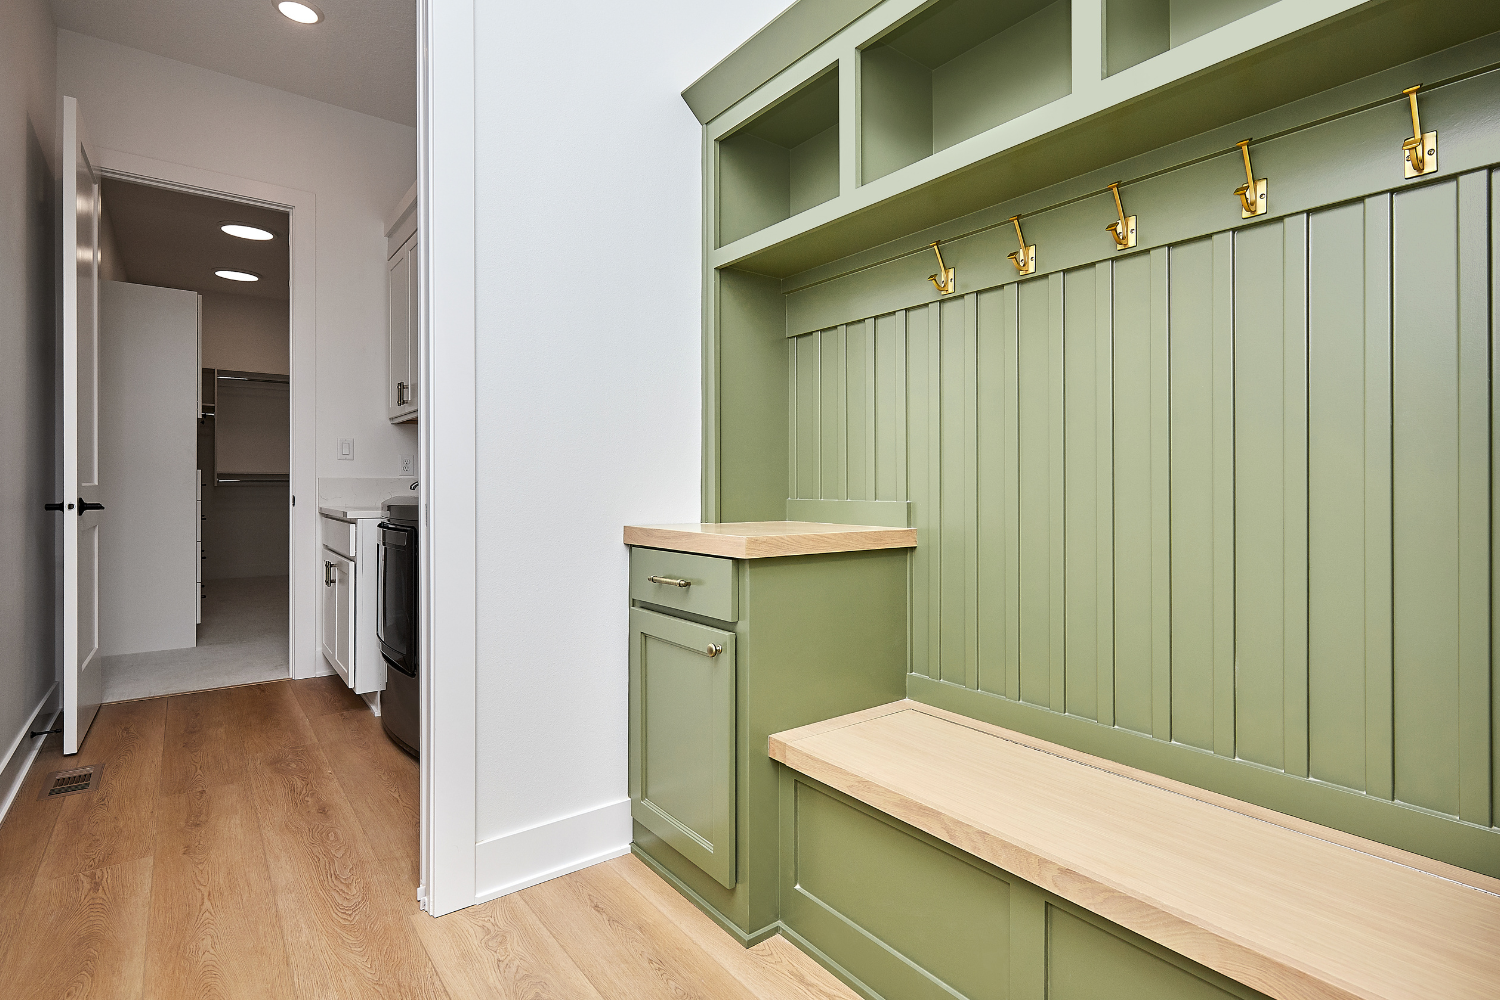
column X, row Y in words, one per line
column 446, row 173
column 303, row 655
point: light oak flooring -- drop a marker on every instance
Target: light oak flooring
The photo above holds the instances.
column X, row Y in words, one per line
column 261, row 842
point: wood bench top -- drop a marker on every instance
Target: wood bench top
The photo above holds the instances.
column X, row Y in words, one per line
column 768, row 539
column 1286, row 907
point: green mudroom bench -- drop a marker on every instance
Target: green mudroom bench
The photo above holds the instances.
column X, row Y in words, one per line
column 925, row 854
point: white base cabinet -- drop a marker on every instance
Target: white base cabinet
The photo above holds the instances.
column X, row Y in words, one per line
column 346, row 624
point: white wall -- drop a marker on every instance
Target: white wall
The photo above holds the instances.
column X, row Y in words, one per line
column 588, row 388
column 357, row 166
column 28, row 158
column 246, row 333
column 148, row 460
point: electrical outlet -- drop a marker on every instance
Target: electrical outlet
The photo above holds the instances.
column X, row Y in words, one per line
column 346, row 449
column 408, row 465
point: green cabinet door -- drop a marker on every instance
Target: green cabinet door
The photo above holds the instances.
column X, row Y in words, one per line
column 682, row 785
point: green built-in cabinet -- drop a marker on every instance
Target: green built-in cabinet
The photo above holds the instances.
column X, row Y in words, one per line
column 1220, row 506
column 749, row 648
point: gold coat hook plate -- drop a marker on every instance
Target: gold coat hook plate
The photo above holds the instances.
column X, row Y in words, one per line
column 1024, row 258
column 1419, row 153
column 1252, row 193
column 948, row 274
column 1124, row 230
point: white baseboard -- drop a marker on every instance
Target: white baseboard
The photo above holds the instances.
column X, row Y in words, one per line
column 24, row 748
column 525, row 858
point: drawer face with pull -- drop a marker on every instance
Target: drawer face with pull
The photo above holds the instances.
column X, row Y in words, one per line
column 700, row 585
column 682, row 718
column 338, row 535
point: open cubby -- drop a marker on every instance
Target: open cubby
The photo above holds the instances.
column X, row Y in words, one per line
column 957, row 69
column 1136, row 30
column 782, row 162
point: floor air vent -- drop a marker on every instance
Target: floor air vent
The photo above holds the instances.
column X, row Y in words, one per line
column 78, row 779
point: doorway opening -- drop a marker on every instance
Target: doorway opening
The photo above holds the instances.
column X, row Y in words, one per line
column 194, row 407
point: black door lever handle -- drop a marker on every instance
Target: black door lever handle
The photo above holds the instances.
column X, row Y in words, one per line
column 53, row 506
column 84, row 505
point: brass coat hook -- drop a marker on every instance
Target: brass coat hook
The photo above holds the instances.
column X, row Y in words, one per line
column 1420, row 151
column 1253, row 192
column 947, row 284
column 1124, row 230
column 1024, row 258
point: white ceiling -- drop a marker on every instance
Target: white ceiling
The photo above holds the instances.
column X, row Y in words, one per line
column 172, row 239
column 361, row 56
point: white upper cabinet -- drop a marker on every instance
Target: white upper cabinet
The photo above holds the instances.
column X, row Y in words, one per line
column 402, row 300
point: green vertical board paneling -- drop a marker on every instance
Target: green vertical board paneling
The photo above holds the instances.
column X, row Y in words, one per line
column 926, row 557
column 859, row 423
column 1056, row 477
column 1379, row 555
column 1336, row 495
column 1294, row 493
column 1425, row 489
column 1193, row 523
column 1104, row 506
column 1494, row 699
column 889, row 382
column 1010, row 327
column 1034, row 358
column 992, row 395
column 1223, row 499
column 1474, row 732
column 1161, row 492
column 1260, row 510
column 952, row 449
column 971, row 489
column 807, row 421
column 833, row 438
column 1082, row 347
column 1133, row 499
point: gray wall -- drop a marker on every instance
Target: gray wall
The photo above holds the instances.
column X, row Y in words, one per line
column 28, row 122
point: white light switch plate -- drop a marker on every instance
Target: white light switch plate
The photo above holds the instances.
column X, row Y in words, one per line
column 346, row 449
column 408, row 465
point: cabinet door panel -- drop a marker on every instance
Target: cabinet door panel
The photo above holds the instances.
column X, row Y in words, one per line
column 682, row 703
column 398, row 341
column 329, row 618
column 413, row 325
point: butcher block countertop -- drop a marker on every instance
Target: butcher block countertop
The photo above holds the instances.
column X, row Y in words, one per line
column 767, row 539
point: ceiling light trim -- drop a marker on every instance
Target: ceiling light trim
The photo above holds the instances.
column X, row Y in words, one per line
column 302, row 13
column 245, row 231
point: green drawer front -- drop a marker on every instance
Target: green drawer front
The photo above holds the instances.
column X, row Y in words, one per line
column 682, row 738
column 711, row 589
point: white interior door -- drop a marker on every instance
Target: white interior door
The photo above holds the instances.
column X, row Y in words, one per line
column 83, row 675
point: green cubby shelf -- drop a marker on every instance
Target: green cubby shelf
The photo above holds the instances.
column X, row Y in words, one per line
column 782, row 162
column 1136, row 30
column 956, row 69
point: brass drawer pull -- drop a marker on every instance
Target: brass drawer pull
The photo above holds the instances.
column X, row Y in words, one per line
column 714, row 649
column 670, row 581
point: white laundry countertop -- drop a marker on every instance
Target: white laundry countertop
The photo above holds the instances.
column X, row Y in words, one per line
column 352, row 499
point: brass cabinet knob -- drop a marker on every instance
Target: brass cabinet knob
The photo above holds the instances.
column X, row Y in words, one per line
column 714, row 649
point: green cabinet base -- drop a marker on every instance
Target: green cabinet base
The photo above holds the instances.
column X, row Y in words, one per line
column 817, row 636
column 900, row 915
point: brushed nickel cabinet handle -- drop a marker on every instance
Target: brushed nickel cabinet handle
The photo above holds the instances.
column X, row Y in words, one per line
column 669, row 581
column 401, row 399
column 326, row 567
column 714, row 649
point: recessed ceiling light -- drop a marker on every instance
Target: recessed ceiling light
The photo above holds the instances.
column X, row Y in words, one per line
column 245, row 232
column 300, row 12
column 238, row 275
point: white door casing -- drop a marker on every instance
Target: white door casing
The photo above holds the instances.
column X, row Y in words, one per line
column 83, row 673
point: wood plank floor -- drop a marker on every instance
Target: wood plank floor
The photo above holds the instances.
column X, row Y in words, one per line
column 261, row 842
